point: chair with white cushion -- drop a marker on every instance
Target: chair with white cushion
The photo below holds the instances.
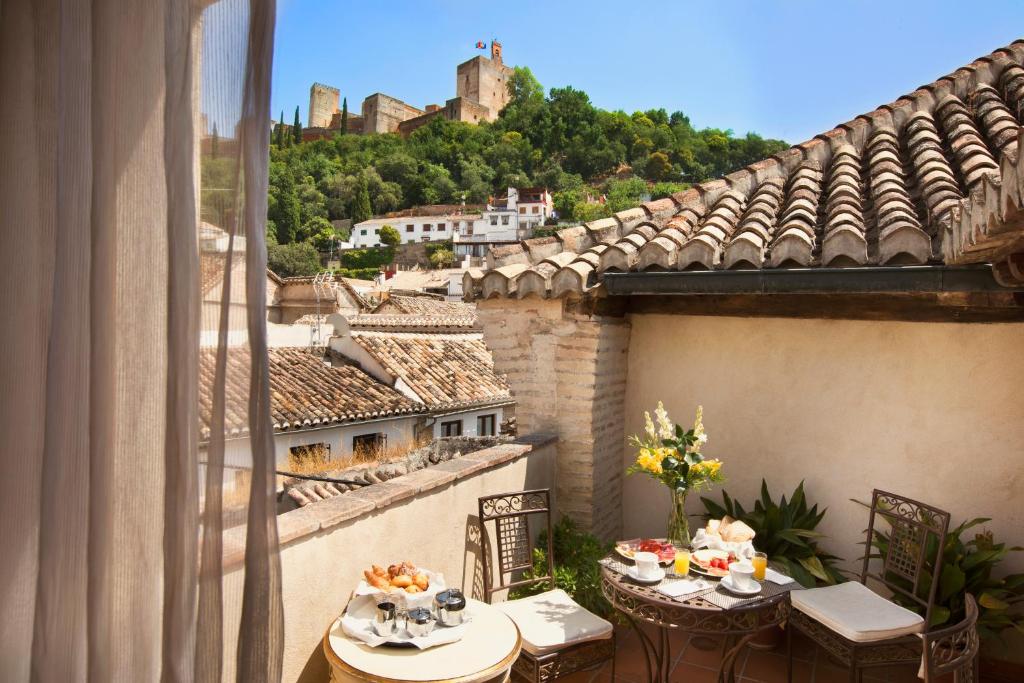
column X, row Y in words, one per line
column 861, row 628
column 559, row 636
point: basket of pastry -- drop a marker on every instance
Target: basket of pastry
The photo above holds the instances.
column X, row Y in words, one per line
column 402, row 582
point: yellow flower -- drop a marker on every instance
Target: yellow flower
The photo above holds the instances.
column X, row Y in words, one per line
column 649, row 461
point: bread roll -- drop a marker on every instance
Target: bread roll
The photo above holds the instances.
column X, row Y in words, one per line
column 402, row 581
column 739, row 532
column 421, row 581
column 378, row 582
column 413, row 589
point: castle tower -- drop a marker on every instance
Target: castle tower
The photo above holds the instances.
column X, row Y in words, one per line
column 323, row 103
column 483, row 83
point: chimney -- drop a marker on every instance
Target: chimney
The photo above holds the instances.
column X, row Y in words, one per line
column 496, row 51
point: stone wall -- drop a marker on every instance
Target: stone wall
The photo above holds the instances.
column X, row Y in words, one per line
column 323, row 102
column 567, row 372
column 485, row 81
column 382, row 113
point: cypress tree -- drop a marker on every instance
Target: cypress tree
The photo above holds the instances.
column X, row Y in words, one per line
column 279, row 133
column 361, row 209
column 297, row 128
column 344, row 115
column 214, row 142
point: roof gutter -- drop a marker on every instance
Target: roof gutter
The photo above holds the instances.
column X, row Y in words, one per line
column 863, row 280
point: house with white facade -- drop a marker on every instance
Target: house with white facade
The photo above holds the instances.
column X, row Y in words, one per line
column 322, row 411
column 410, row 228
column 507, row 220
column 437, row 361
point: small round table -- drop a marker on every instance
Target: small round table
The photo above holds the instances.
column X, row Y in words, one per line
column 485, row 654
column 696, row 615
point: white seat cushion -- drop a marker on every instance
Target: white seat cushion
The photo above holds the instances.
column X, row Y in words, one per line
column 856, row 612
column 550, row 621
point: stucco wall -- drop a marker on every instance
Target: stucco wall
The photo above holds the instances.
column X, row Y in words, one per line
column 929, row 410
column 469, row 419
column 434, row 529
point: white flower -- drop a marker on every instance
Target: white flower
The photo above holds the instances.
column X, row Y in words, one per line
column 665, row 427
column 649, row 426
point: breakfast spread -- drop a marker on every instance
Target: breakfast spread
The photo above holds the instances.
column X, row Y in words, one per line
column 403, row 576
column 665, row 551
column 729, row 530
column 712, row 561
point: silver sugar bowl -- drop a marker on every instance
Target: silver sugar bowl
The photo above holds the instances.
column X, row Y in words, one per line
column 419, row 622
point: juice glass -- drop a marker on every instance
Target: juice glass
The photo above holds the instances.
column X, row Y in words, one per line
column 760, row 562
column 682, row 562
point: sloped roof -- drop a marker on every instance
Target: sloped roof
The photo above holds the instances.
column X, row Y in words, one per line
column 425, row 305
column 305, row 392
column 448, row 366
column 935, row 177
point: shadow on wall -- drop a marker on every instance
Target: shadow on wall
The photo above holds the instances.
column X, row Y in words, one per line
column 477, row 544
column 317, row 669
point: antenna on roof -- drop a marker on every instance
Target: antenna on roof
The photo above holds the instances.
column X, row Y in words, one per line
column 324, row 287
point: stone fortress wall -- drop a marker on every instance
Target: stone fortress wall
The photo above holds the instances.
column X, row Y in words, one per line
column 323, row 102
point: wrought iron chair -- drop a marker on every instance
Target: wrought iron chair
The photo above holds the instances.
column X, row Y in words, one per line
column 954, row 650
column 857, row 626
column 559, row 636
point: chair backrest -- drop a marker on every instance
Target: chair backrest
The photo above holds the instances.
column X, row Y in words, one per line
column 913, row 551
column 954, row 649
column 511, row 514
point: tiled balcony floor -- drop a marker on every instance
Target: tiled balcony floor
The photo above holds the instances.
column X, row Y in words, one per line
column 692, row 663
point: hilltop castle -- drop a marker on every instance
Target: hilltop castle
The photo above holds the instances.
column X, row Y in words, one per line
column 481, row 91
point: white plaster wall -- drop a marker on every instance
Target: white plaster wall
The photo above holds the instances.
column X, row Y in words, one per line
column 469, row 421
column 372, row 227
column 432, row 530
column 929, row 410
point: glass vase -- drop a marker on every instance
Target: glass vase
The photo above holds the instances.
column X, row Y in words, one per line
column 678, row 524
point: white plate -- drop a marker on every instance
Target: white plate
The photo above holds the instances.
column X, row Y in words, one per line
column 655, row 578
column 727, row 584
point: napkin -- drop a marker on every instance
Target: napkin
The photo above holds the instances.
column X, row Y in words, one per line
column 357, row 624
column 777, row 577
column 674, row 589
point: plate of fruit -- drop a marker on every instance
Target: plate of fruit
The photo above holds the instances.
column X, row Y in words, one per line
column 665, row 551
column 711, row 562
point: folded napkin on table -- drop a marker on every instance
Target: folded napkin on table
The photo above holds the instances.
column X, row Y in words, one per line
column 674, row 589
column 777, row 577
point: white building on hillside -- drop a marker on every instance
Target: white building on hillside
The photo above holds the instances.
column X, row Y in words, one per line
column 508, row 220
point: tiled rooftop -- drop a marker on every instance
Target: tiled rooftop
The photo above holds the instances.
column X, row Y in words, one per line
column 443, row 360
column 305, row 391
column 934, row 177
column 425, row 305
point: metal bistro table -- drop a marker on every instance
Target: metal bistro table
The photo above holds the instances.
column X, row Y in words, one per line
column 709, row 612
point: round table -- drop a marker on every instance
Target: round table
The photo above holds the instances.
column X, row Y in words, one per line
column 485, row 654
column 695, row 615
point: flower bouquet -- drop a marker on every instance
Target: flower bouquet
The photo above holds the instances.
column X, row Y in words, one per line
column 672, row 455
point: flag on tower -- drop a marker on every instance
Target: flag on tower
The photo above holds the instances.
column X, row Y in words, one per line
column 481, row 45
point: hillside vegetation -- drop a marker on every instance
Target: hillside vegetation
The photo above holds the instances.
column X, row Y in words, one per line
column 560, row 141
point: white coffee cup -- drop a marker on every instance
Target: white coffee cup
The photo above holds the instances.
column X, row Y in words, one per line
column 646, row 565
column 742, row 575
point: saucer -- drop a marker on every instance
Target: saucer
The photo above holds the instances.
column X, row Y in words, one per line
column 728, row 585
column 652, row 579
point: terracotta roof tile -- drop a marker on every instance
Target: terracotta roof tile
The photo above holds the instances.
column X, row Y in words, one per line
column 936, row 175
column 305, row 391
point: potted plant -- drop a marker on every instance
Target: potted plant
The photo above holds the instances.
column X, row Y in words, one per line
column 786, row 531
column 671, row 454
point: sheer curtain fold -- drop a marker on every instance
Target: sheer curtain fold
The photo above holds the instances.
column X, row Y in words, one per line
column 133, row 187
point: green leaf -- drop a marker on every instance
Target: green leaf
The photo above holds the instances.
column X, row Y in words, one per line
column 788, row 535
column 940, row 615
column 989, row 601
column 813, row 565
column 951, row 582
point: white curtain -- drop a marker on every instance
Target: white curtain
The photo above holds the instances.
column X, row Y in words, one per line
column 134, row 544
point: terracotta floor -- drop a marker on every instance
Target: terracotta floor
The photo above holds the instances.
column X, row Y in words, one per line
column 694, row 663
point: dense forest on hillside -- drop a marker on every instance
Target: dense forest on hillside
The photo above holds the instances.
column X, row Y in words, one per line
column 560, row 141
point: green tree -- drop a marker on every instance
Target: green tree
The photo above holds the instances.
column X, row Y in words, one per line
column 297, row 129
column 279, row 133
column 360, row 209
column 283, row 207
column 214, row 142
column 389, row 236
column 344, row 115
column 659, row 167
column 288, row 260
column 442, row 258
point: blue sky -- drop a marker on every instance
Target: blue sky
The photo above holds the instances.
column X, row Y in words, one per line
column 788, row 70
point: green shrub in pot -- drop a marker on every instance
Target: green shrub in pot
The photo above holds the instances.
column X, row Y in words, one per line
column 785, row 531
column 967, row 567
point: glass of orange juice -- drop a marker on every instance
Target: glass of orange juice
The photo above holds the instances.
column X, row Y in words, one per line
column 760, row 562
column 682, row 562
